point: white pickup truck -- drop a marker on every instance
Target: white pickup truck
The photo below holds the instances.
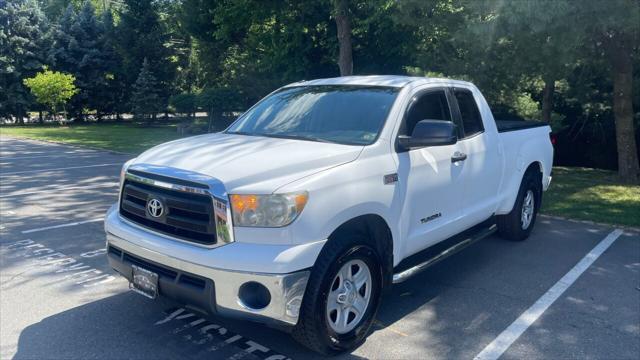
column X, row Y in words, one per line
column 321, row 196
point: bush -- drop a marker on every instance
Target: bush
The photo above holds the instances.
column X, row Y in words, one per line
column 184, row 103
column 221, row 100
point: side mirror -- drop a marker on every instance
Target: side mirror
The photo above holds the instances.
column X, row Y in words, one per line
column 430, row 133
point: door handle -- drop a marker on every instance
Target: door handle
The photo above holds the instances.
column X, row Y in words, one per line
column 458, row 156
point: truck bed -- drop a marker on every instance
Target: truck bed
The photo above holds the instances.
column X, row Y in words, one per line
column 513, row 125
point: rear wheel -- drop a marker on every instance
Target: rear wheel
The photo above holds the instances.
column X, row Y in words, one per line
column 342, row 297
column 517, row 224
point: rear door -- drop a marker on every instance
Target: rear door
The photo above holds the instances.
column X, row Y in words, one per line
column 481, row 171
column 433, row 183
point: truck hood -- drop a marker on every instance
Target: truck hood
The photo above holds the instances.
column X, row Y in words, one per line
column 249, row 164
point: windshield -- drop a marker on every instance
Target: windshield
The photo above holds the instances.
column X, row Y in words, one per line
column 342, row 114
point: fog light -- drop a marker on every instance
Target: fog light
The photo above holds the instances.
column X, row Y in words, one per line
column 254, row 296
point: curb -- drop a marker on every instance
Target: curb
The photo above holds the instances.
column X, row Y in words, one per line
column 588, row 222
column 70, row 145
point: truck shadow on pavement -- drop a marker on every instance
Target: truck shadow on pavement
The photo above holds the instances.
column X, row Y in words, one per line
column 130, row 326
column 450, row 311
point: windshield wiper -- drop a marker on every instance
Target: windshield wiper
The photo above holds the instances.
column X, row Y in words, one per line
column 284, row 136
column 241, row 133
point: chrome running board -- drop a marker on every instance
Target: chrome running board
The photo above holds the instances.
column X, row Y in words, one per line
column 410, row 272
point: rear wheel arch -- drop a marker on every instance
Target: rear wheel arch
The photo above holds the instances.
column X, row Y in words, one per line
column 535, row 169
column 535, row 166
column 517, row 225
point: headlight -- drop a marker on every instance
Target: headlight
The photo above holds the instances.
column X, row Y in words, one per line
column 274, row 210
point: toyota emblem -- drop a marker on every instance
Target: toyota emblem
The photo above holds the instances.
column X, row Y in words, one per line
column 155, row 208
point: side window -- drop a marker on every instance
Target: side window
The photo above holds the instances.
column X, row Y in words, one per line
column 471, row 119
column 430, row 106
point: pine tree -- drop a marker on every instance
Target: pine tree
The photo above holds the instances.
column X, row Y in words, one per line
column 80, row 49
column 23, row 38
column 146, row 100
column 142, row 35
column 109, row 94
column 59, row 54
column 54, row 9
column 85, row 47
column 61, row 57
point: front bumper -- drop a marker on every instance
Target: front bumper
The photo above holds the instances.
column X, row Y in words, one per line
column 209, row 289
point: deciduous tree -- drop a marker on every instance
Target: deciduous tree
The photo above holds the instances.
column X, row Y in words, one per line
column 343, row 25
column 555, row 29
column 53, row 89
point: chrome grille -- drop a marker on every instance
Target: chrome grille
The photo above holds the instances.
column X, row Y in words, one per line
column 186, row 216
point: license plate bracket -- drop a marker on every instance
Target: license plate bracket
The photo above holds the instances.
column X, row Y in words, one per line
column 144, row 282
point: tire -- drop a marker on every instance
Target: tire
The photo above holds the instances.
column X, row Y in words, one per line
column 316, row 328
column 513, row 226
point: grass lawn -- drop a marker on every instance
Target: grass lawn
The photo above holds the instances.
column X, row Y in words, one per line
column 119, row 137
column 590, row 194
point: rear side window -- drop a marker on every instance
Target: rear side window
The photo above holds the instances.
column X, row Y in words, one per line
column 469, row 113
column 429, row 106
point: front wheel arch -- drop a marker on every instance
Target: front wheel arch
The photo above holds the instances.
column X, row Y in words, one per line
column 374, row 228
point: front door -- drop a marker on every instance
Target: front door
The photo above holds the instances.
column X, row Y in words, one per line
column 433, row 181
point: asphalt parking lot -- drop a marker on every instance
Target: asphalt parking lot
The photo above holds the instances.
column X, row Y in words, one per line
column 60, row 300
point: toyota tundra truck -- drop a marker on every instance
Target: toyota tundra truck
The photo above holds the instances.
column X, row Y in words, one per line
column 323, row 195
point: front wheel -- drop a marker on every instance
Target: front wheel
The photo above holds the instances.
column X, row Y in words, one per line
column 517, row 224
column 341, row 299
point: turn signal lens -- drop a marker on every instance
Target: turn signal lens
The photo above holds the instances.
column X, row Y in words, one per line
column 275, row 210
column 244, row 202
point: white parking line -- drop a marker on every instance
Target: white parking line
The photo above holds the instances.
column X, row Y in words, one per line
column 56, row 169
column 62, row 225
column 500, row 344
column 56, row 191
